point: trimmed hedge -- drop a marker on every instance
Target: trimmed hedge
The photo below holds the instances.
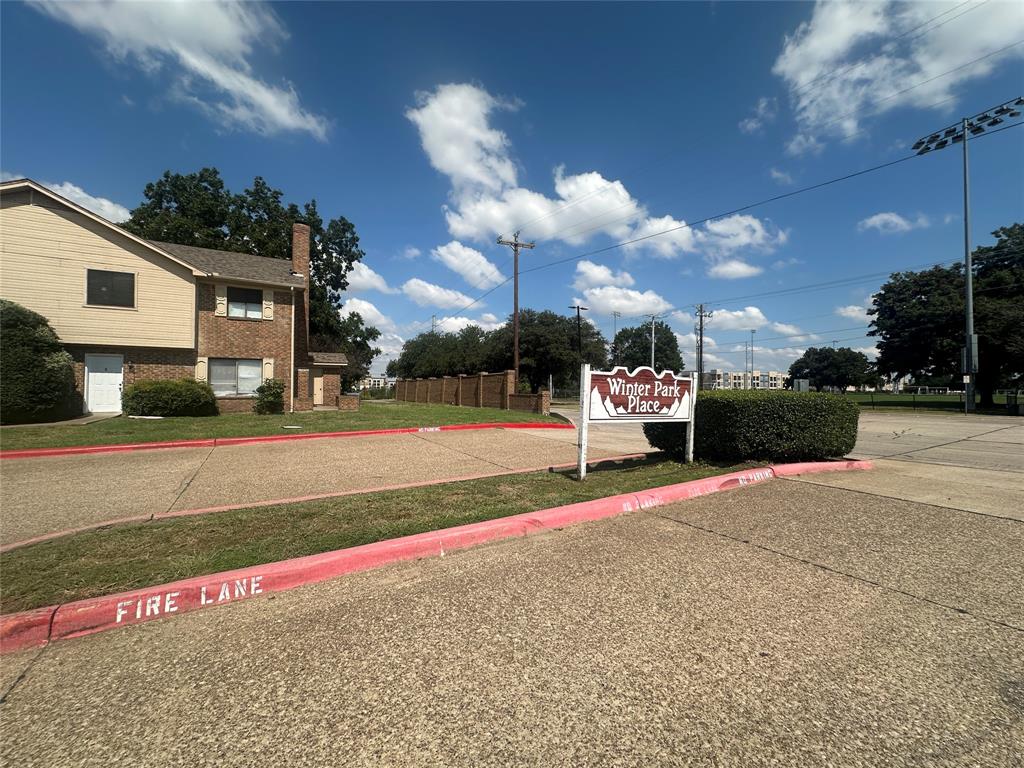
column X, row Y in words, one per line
column 753, row 425
column 269, row 397
column 181, row 397
column 37, row 380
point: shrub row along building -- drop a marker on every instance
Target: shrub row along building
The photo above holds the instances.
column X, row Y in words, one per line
column 129, row 309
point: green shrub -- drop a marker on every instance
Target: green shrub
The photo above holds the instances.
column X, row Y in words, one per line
column 166, row 397
column 37, row 380
column 752, row 425
column 269, row 397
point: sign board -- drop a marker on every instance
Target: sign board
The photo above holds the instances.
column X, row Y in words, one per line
column 634, row 396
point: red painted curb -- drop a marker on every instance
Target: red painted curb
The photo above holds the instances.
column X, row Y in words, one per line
column 807, row 467
column 36, row 453
column 84, row 617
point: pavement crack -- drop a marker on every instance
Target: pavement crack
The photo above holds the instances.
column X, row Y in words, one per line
column 951, row 442
column 846, row 574
column 464, row 453
column 187, row 483
column 28, row 668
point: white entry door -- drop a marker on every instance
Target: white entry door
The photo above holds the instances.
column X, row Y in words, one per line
column 104, row 375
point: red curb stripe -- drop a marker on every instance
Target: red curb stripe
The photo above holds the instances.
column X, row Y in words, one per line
column 84, row 617
column 36, row 453
column 806, row 467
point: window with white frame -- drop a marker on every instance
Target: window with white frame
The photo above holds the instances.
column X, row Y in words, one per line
column 245, row 303
column 230, row 378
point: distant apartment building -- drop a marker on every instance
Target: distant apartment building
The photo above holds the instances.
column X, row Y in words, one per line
column 380, row 381
column 720, row 379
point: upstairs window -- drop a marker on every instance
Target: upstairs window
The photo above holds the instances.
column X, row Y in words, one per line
column 245, row 302
column 110, row 289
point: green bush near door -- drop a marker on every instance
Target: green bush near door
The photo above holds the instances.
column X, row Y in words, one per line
column 36, row 376
column 181, row 397
column 753, row 425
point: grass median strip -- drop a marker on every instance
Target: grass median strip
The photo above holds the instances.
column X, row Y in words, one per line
column 371, row 415
column 120, row 558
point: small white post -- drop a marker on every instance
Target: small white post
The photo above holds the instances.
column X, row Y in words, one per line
column 694, row 385
column 584, row 419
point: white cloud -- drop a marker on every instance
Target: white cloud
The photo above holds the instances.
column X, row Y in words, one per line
column 591, row 275
column 101, row 206
column 733, row 269
column 390, row 346
column 725, row 236
column 606, row 299
column 737, row 319
column 781, row 177
column 786, row 329
column 889, row 223
column 429, row 295
column 370, row 314
column 486, row 321
column 764, row 112
column 853, row 59
column 468, row 263
column 783, row 263
column 208, row 50
column 411, row 252
column 853, row 312
column 363, row 278
column 485, row 200
column 803, row 144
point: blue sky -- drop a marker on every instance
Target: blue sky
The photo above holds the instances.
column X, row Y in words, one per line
column 436, row 127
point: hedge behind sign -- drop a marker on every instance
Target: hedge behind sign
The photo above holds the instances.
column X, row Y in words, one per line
column 752, row 425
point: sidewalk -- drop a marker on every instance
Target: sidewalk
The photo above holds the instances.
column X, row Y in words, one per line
column 46, row 495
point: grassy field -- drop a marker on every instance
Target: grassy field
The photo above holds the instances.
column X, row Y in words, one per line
column 126, row 557
column 953, row 402
column 370, row 415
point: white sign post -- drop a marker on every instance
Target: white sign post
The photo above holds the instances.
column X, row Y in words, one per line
column 634, row 396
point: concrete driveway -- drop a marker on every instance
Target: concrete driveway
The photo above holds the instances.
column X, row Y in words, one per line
column 783, row 624
column 45, row 495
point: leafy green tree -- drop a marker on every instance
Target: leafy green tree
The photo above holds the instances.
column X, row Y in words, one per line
column 356, row 341
column 839, row 368
column 198, row 209
column 919, row 319
column 632, row 348
column 36, row 374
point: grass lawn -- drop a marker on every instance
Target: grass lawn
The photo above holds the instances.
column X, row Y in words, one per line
column 127, row 557
column 370, row 415
column 888, row 400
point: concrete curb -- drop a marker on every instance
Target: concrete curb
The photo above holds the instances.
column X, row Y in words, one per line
column 84, row 617
column 311, row 497
column 36, row 453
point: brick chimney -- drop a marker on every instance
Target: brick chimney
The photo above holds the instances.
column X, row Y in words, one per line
column 300, row 264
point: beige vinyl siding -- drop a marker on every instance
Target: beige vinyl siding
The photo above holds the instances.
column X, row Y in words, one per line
column 45, row 251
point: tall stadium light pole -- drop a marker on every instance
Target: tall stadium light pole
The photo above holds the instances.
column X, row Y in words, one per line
column 752, row 332
column 579, row 328
column 960, row 133
column 653, row 317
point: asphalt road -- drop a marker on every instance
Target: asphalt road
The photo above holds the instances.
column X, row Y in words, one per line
column 782, row 624
column 45, row 495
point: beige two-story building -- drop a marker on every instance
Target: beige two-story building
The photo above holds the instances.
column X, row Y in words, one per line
column 129, row 309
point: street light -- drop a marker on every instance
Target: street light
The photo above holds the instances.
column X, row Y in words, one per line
column 958, row 133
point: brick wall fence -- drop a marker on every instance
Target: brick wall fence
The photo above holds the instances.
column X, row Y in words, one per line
column 483, row 390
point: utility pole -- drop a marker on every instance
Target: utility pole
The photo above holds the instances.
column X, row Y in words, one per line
column 515, row 245
column 579, row 328
column 960, row 133
column 752, row 332
column 701, row 316
column 652, row 339
column 615, row 330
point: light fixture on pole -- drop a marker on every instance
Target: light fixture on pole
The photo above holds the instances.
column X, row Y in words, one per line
column 959, row 133
column 579, row 327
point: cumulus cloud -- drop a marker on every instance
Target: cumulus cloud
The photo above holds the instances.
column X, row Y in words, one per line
column 851, row 60
column 853, row 312
column 363, row 278
column 738, row 319
column 429, row 295
column 733, row 269
column 889, row 223
column 764, row 112
column 455, row 126
column 781, row 177
column 411, row 252
column 606, row 299
column 471, row 265
column 101, row 206
column 591, row 275
column 486, row 321
column 390, row 346
column 370, row 314
column 207, row 49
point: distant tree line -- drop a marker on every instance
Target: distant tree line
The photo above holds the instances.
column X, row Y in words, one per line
column 549, row 345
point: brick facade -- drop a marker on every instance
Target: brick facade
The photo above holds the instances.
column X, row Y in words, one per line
column 140, row 364
column 484, row 390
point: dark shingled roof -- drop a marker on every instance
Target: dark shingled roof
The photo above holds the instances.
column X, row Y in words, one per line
column 241, row 266
column 328, row 358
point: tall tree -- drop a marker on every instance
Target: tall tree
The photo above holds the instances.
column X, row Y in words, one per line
column 839, row 368
column 198, row 209
column 632, row 347
column 919, row 319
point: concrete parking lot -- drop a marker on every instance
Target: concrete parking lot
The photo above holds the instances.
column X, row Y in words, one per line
column 779, row 624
